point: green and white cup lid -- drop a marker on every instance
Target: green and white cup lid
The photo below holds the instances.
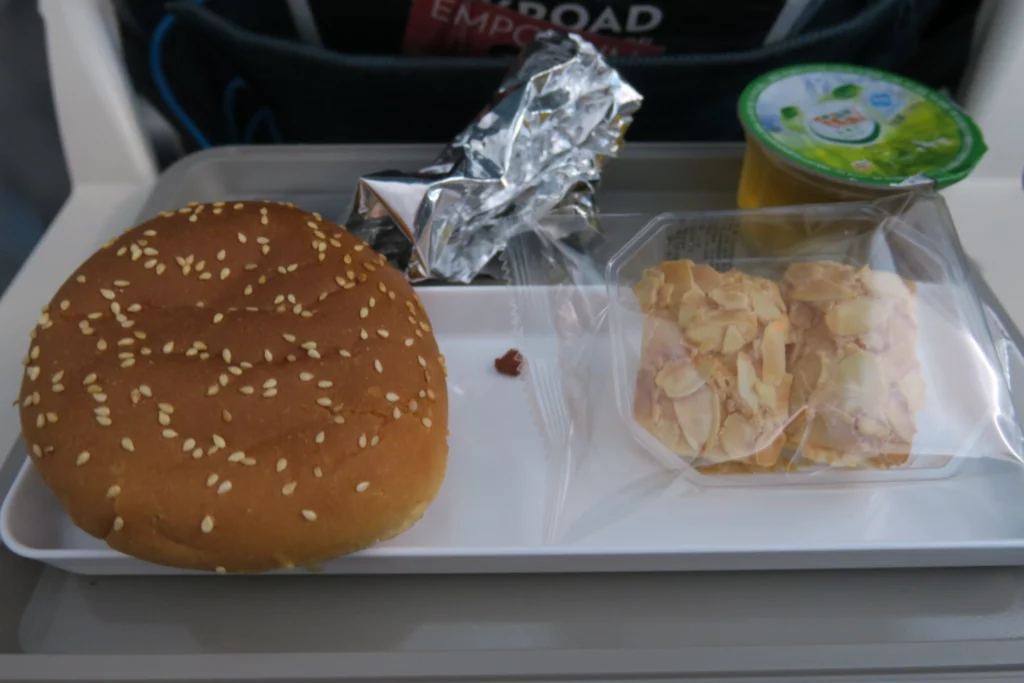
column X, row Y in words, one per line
column 861, row 125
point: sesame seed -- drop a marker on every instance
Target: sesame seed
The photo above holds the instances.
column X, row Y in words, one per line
column 309, row 515
column 169, row 433
column 314, row 354
column 362, row 440
column 377, row 366
column 430, row 394
column 90, row 379
column 281, row 464
column 103, row 421
column 396, row 413
column 37, row 451
column 207, row 523
column 223, row 379
column 219, row 441
column 270, row 383
column 270, row 393
column 237, row 206
column 164, row 419
column 100, row 397
column 82, row 458
column 114, row 491
column 339, row 419
column 121, row 283
column 373, row 302
column 375, row 440
column 40, row 420
column 118, row 523
column 224, row 272
column 193, row 218
column 56, row 377
column 197, row 453
column 135, row 308
column 222, row 254
column 101, row 345
column 289, row 488
column 319, row 437
column 263, row 220
column 363, row 335
column 224, row 487
column 391, row 396
column 58, row 388
column 323, row 401
column 325, row 384
column 362, row 486
column 249, row 462
column 212, row 479
column 235, row 370
column 358, row 247
column 127, row 362
column 218, row 317
column 426, row 422
column 344, row 354
column 150, row 263
column 237, row 456
column 127, row 444
column 188, row 445
column 65, row 305
column 80, row 279
column 305, row 376
column 382, row 333
column 213, row 390
column 33, row 372
column 160, row 268
column 108, row 294
column 148, row 393
column 317, row 472
column 163, row 407
column 363, row 312
column 101, row 410
column 226, row 355
column 290, row 338
column 422, row 361
column 34, row 353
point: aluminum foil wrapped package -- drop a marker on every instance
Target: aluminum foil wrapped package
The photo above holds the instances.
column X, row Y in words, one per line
column 539, row 145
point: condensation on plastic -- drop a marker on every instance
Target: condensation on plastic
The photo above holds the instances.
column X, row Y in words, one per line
column 582, row 335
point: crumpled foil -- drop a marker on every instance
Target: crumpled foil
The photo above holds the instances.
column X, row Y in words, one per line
column 539, row 145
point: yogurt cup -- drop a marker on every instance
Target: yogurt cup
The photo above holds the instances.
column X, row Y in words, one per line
column 820, row 133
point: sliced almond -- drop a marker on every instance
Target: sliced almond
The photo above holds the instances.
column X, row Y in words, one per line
column 646, row 291
column 706, row 277
column 746, row 377
column 732, row 341
column 727, row 298
column 678, row 273
column 679, row 378
column 883, row 284
column 773, row 352
column 737, row 436
column 853, row 317
column 912, row 388
column 764, row 307
column 696, row 416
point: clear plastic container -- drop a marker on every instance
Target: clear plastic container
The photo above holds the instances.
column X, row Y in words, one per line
column 861, row 354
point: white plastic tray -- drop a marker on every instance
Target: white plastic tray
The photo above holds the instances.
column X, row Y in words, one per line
column 489, row 516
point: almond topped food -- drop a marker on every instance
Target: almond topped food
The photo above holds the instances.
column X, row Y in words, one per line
column 712, row 384
column 237, row 386
column 857, row 380
column 738, row 374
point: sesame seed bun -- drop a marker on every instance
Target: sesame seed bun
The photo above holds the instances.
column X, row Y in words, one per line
column 237, row 387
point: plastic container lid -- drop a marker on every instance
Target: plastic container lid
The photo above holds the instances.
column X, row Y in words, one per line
column 860, row 125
